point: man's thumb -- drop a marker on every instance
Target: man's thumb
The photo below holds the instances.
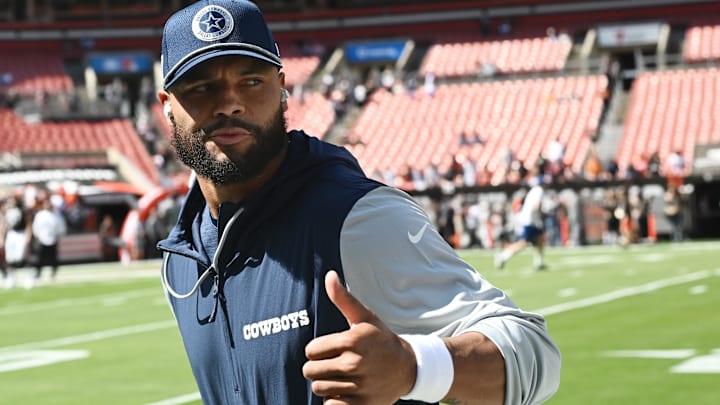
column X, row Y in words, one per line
column 353, row 310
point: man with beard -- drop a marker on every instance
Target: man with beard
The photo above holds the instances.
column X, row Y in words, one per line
column 295, row 279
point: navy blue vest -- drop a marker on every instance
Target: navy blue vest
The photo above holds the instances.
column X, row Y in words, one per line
column 246, row 328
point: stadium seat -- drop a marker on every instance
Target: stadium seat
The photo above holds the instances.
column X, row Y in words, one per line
column 517, row 56
column 77, row 136
column 398, row 130
column 32, row 71
column 670, row 111
column 702, row 44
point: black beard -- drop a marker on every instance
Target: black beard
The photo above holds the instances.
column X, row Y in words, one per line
column 270, row 141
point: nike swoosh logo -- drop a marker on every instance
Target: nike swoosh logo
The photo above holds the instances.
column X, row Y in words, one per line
column 416, row 238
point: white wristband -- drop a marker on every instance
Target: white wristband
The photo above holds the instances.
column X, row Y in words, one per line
column 435, row 371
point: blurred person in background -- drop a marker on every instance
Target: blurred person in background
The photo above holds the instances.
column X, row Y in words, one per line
column 473, row 218
column 672, row 209
column 530, row 227
column 610, row 204
column 110, row 238
column 17, row 235
column 675, row 168
column 628, row 227
column 47, row 228
column 3, row 263
column 549, row 210
column 639, row 212
column 555, row 158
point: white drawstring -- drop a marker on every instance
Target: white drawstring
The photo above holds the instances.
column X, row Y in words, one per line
column 172, row 292
column 213, row 267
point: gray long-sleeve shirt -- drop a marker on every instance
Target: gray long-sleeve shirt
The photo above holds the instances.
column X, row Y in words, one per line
column 417, row 283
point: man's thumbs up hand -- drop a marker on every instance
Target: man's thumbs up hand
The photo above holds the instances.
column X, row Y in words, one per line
column 366, row 364
column 353, row 310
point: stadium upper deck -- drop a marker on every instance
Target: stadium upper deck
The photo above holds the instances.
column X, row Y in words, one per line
column 470, row 34
column 68, row 32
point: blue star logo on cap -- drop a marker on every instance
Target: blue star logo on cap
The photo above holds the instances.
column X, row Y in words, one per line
column 212, row 23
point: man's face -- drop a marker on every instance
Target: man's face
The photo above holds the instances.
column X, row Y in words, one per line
column 227, row 118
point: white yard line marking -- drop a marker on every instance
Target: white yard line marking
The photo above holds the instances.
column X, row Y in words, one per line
column 567, row 292
column 91, row 337
column 69, row 277
column 112, row 275
column 184, row 399
column 708, row 364
column 698, row 289
column 41, row 306
column 652, row 257
column 692, row 364
column 37, row 358
column 671, row 247
column 625, row 292
column 652, row 354
column 585, row 260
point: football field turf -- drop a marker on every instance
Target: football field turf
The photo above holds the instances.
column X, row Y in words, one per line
column 635, row 326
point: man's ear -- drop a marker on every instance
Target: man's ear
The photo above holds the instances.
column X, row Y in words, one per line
column 167, row 112
column 284, row 95
column 164, row 98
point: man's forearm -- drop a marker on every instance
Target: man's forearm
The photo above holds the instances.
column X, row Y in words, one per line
column 479, row 371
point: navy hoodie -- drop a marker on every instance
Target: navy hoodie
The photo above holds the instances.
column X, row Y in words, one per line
column 261, row 298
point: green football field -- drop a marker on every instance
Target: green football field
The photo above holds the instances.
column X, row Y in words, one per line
column 635, row 326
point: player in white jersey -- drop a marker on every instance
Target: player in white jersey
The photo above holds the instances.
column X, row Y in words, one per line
column 530, row 229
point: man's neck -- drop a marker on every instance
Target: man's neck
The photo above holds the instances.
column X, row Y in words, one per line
column 216, row 194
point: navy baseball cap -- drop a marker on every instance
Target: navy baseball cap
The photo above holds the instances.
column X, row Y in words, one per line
column 212, row 28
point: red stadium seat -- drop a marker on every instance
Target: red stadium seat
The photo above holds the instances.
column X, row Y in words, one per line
column 670, row 111
column 702, row 44
column 77, row 136
column 520, row 115
column 518, row 56
column 32, row 71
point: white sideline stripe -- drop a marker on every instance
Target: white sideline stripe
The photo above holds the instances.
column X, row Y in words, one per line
column 91, row 337
column 179, row 400
column 708, row 364
column 40, row 306
column 625, row 292
column 698, row 289
column 652, row 354
column 37, row 358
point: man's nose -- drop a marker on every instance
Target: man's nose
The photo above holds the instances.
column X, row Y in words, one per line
column 230, row 103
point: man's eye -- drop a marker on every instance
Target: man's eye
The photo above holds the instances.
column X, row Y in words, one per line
column 200, row 88
column 253, row 82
